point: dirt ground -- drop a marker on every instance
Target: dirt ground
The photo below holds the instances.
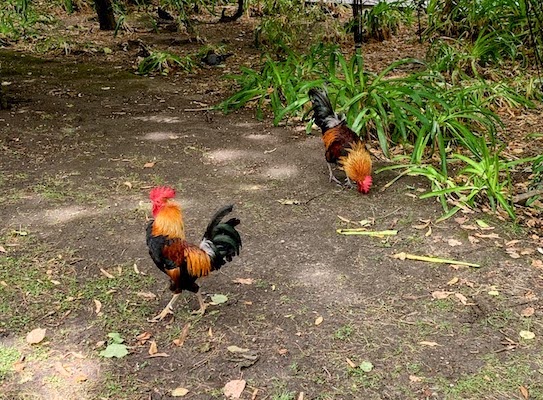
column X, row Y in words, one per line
column 82, row 145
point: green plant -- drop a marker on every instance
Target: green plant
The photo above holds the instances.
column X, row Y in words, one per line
column 17, row 19
column 294, row 24
column 383, row 20
column 279, row 84
column 163, row 62
column 463, row 60
column 484, row 178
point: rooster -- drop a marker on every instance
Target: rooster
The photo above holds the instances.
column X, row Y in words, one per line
column 183, row 262
column 343, row 146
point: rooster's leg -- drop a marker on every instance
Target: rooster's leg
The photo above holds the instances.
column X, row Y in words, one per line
column 349, row 183
column 203, row 305
column 167, row 310
column 332, row 177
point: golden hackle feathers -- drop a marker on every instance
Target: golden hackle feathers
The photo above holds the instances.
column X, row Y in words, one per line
column 357, row 163
column 169, row 221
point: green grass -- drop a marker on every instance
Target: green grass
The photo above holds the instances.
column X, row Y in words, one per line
column 344, row 332
column 8, row 356
column 496, row 376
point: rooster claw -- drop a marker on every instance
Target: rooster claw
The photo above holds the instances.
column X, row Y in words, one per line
column 164, row 313
column 201, row 311
column 349, row 184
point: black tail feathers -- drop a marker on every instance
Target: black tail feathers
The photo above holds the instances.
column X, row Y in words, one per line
column 323, row 112
column 223, row 237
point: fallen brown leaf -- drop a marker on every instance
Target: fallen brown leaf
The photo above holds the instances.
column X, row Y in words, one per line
column 234, row 388
column 463, row 299
column 98, row 306
column 414, row 378
column 319, row 320
column 150, row 164
column 153, row 348
column 180, row 392
column 244, row 281
column 79, row 378
column 527, row 312
column 144, row 336
column 438, row 294
column 454, row 242
column 473, row 239
column 35, row 336
column 524, row 392
column 19, row 365
column 469, row 227
column 453, row 281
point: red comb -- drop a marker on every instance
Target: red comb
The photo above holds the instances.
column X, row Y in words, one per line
column 365, row 185
column 162, row 192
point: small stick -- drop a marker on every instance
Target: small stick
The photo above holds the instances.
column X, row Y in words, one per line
column 521, row 198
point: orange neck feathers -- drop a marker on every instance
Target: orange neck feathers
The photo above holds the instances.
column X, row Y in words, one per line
column 357, row 163
column 169, row 221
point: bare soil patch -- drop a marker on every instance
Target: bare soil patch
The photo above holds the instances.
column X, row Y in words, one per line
column 74, row 186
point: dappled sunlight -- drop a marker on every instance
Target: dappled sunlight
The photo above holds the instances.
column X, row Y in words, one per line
column 246, row 124
column 324, row 279
column 250, row 188
column 61, row 215
column 159, row 136
column 66, row 214
column 262, row 138
column 160, row 119
column 225, row 155
column 281, row 172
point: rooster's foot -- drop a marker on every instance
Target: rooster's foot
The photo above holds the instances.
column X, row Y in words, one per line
column 167, row 310
column 203, row 305
column 349, row 184
column 163, row 314
column 201, row 311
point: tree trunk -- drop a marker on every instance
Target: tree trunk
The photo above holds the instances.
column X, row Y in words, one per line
column 105, row 15
column 238, row 14
column 3, row 102
column 357, row 27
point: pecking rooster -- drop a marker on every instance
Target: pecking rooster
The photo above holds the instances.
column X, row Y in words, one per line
column 183, row 262
column 343, row 146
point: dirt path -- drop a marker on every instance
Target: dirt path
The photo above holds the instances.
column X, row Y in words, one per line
column 74, row 182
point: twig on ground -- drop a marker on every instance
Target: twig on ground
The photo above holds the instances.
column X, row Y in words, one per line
column 522, row 198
